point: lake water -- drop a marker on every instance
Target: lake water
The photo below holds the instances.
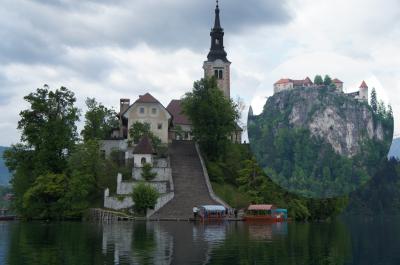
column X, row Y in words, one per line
column 357, row 241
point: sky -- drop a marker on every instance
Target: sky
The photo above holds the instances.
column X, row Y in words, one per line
column 124, row 48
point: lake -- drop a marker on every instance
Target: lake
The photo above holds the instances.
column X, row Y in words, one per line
column 352, row 241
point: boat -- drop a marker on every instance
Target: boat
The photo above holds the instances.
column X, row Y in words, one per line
column 212, row 213
column 265, row 213
column 5, row 216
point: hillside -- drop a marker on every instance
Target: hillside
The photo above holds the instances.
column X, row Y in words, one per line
column 395, row 149
column 319, row 143
column 4, row 173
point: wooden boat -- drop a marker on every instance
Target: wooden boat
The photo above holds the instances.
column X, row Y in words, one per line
column 268, row 213
column 213, row 213
column 7, row 218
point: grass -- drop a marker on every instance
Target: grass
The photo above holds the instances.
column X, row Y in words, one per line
column 231, row 195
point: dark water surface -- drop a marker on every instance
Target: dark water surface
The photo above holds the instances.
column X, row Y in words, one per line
column 356, row 241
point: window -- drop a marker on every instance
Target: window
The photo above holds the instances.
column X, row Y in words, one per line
column 141, row 110
column 218, row 73
column 159, row 126
column 154, row 111
column 217, row 41
column 143, row 160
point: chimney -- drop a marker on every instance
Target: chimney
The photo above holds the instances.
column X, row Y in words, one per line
column 124, row 104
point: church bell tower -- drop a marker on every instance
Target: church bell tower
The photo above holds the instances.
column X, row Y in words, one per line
column 217, row 64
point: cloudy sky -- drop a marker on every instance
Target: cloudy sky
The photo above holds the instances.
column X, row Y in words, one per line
column 123, row 48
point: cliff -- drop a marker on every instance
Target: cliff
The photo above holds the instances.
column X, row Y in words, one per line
column 342, row 121
column 318, row 142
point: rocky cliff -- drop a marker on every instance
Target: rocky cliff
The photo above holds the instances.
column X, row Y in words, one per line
column 342, row 121
column 319, row 143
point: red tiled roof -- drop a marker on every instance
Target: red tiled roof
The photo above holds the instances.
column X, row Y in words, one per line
column 283, row 81
column 146, row 98
column 363, row 85
column 144, row 146
column 306, row 81
column 261, row 207
column 337, row 81
column 175, row 108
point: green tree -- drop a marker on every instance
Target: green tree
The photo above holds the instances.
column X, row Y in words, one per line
column 48, row 127
column 145, row 197
column 327, row 80
column 139, row 129
column 213, row 117
column 99, row 121
column 318, row 80
column 147, row 174
column 44, row 199
column 374, row 100
column 48, row 135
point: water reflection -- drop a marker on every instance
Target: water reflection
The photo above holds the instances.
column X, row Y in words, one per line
column 342, row 243
column 176, row 243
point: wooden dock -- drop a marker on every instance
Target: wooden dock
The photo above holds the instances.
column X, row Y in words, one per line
column 109, row 216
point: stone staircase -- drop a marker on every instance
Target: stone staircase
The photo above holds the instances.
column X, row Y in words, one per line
column 189, row 183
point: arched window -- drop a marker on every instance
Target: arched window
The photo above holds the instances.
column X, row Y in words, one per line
column 143, row 161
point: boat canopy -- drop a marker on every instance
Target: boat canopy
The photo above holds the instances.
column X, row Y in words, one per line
column 213, row 208
column 261, row 207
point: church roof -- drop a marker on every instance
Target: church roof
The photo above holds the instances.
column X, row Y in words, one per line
column 144, row 146
column 175, row 108
column 363, row 85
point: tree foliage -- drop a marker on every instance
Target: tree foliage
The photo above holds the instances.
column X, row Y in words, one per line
column 213, row 117
column 54, row 176
column 145, row 197
column 318, row 80
column 327, row 80
column 48, row 128
column 99, row 121
column 147, row 172
column 374, row 100
column 139, row 129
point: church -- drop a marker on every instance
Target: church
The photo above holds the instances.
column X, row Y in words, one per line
column 170, row 123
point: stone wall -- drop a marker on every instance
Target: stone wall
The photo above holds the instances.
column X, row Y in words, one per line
column 113, row 145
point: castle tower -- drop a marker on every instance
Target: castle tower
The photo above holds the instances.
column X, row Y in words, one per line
column 217, row 64
column 363, row 91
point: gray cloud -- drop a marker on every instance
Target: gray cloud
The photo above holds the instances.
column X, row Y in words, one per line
column 38, row 31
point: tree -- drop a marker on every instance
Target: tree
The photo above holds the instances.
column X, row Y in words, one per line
column 44, row 199
column 327, row 80
column 374, row 100
column 318, row 80
column 48, row 135
column 48, row 128
column 139, row 129
column 213, row 117
column 99, row 121
column 147, row 174
column 145, row 197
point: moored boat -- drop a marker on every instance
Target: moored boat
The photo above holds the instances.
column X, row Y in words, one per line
column 265, row 213
column 212, row 213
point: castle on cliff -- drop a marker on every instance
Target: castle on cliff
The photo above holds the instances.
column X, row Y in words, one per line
column 289, row 84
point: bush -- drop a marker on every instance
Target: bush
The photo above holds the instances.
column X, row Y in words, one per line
column 145, row 197
column 147, row 174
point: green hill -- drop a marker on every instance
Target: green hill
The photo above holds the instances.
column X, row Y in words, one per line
column 4, row 173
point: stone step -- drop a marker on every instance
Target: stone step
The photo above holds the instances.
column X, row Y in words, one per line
column 189, row 182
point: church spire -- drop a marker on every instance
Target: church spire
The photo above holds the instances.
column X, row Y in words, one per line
column 217, row 23
column 217, row 50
